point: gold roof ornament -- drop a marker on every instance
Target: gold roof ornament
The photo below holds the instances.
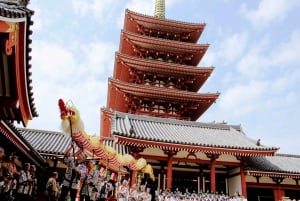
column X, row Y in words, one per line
column 159, row 8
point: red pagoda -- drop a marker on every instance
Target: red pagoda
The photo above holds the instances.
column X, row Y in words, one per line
column 156, row 71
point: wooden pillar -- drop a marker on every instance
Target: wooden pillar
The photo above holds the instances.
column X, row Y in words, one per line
column 243, row 161
column 243, row 180
column 170, row 154
column 213, row 176
column 213, row 158
column 169, row 173
column 278, row 192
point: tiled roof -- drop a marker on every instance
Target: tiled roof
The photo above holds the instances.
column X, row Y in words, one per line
column 54, row 143
column 177, row 132
column 278, row 163
column 14, row 9
column 46, row 142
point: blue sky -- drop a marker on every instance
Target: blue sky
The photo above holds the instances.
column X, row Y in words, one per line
column 254, row 47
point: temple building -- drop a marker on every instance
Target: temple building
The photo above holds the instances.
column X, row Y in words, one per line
column 153, row 107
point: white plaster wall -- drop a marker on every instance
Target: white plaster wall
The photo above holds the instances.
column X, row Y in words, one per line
column 234, row 185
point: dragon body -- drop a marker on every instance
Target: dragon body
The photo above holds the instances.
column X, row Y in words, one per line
column 72, row 125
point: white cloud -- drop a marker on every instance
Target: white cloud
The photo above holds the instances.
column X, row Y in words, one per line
column 52, row 61
column 233, row 46
column 228, row 50
column 287, row 53
column 100, row 10
column 260, row 62
column 98, row 57
column 254, row 63
column 241, row 99
column 268, row 11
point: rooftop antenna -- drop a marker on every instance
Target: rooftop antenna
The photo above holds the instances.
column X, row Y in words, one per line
column 159, row 8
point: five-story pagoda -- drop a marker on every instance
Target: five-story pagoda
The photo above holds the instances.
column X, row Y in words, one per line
column 156, row 71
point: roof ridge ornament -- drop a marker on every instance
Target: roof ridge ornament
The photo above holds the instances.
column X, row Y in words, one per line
column 159, row 9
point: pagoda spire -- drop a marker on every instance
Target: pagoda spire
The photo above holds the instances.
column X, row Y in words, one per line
column 159, row 8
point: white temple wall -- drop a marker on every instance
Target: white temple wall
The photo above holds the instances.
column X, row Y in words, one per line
column 234, row 185
column 234, row 181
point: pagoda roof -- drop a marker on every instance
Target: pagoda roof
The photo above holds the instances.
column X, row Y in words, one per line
column 163, row 45
column 280, row 165
column 17, row 102
column 167, row 68
column 203, row 100
column 166, row 93
column 171, row 134
column 164, row 25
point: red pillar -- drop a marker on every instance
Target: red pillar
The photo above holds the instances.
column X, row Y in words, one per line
column 278, row 194
column 243, row 180
column 213, row 175
column 213, row 158
column 169, row 173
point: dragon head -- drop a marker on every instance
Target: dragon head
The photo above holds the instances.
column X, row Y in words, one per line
column 70, row 117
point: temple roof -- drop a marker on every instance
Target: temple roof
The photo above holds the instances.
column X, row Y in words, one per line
column 52, row 144
column 278, row 165
column 164, row 25
column 17, row 102
column 14, row 2
column 166, row 68
column 142, row 130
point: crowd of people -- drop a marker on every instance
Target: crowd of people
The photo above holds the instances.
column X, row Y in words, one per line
column 93, row 185
column 82, row 181
column 16, row 184
column 202, row 196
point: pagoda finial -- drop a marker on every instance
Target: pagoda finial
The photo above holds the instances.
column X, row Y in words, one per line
column 159, row 8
